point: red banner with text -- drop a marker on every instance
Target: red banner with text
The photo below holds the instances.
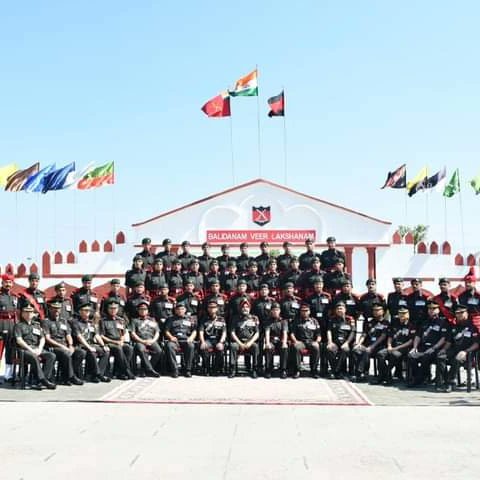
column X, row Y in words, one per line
column 257, row 236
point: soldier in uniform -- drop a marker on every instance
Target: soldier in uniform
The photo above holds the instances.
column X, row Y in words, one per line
column 30, row 338
column 33, row 296
column 243, row 259
column 213, row 272
column 90, row 346
column 276, row 334
column 8, row 315
column 167, row 256
column 396, row 299
column 350, row 299
column 305, row 334
column 305, row 280
column 229, row 279
column 219, row 298
column 285, row 258
column 417, row 303
column 271, row 278
column 400, row 337
column 161, row 307
column 446, row 301
column 330, row 257
column 212, row 333
column 175, row 279
column 372, row 339
column 224, row 258
column 58, row 335
column 236, row 300
column 320, row 304
column 146, row 253
column 85, row 294
column 194, row 276
column 290, row 303
column 252, row 278
column 293, row 275
column 189, row 299
column 335, row 277
column 186, row 257
column 471, row 297
column 205, row 259
column 340, row 338
column 371, row 297
column 145, row 333
column 134, row 300
column 115, row 294
column 180, row 332
column 307, row 257
column 245, row 331
column 263, row 259
column 463, row 340
column 66, row 309
column 136, row 274
column 112, row 330
column 156, row 277
column 429, row 339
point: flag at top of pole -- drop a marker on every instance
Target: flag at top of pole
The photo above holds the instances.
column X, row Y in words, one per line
column 397, row 178
column 453, row 186
column 277, row 105
column 246, row 86
column 218, row 106
column 6, row 171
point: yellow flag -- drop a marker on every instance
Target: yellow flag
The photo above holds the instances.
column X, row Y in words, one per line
column 6, row 171
column 422, row 174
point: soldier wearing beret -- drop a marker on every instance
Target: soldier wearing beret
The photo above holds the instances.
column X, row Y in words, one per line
column 263, row 259
column 138, row 295
column 293, row 274
column 340, row 338
column 305, row 334
column 320, row 304
column 307, row 257
column 58, row 335
column 336, row 277
column 85, row 294
column 167, row 256
column 214, row 294
column 285, row 258
column 205, row 259
column 446, row 301
column 371, row 297
column 400, row 337
column 116, row 295
column 429, row 339
column 30, row 338
column 161, row 306
column 271, row 277
column 462, row 341
column 252, row 278
column 314, row 271
column 213, row 272
column 289, row 303
column 146, row 253
column 245, row 331
column 190, row 299
column 66, row 304
column 156, row 277
column 212, row 333
column 185, row 256
column 136, row 274
column 8, row 315
column 34, row 296
column 417, row 303
column 145, row 334
column 113, row 332
column 350, row 299
column 471, row 297
column 89, row 346
column 180, row 332
column 229, row 279
column 224, row 258
column 396, row 299
column 175, row 278
column 276, row 334
column 194, row 276
column 243, row 259
column 331, row 255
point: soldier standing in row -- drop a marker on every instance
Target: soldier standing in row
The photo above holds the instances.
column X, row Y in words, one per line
column 34, row 296
column 167, row 256
column 8, row 315
column 331, row 256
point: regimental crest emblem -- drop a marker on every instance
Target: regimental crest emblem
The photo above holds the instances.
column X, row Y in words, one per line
column 261, row 215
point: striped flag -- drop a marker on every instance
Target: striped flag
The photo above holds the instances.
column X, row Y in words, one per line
column 17, row 180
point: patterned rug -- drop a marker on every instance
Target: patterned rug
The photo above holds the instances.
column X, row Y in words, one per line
column 238, row 391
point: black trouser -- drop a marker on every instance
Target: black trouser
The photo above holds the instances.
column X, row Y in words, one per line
column 39, row 373
column 314, row 351
column 270, row 352
column 6, row 332
column 212, row 350
column 235, row 351
column 143, row 351
column 419, row 364
column 123, row 357
column 387, row 361
column 337, row 358
column 96, row 362
column 444, row 376
column 361, row 358
column 187, row 348
column 65, row 362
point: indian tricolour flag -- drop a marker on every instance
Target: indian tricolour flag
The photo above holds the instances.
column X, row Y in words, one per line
column 246, row 86
column 103, row 175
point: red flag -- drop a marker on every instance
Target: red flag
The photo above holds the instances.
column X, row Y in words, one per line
column 218, row 106
column 277, row 105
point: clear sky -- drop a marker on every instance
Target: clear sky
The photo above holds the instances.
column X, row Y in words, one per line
column 369, row 85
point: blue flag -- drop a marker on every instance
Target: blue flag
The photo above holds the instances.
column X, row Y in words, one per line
column 58, row 179
column 36, row 182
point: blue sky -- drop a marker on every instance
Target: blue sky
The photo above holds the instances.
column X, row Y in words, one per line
column 369, row 85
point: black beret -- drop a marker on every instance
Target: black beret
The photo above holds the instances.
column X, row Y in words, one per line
column 287, row 244
column 180, row 304
column 371, row 281
column 188, row 281
column 403, row 310
column 460, row 308
column 83, row 305
column 378, row 305
column 87, row 278
column 308, row 240
column 162, row 285
column 288, row 285
column 275, row 305
column 34, row 276
column 60, row 285
column 294, row 259
column 193, row 261
column 176, row 261
column 340, row 260
column 205, row 244
column 212, row 302
column 137, row 257
column 264, row 285
column 166, row 241
column 304, row 306
column 138, row 283
column 264, row 244
column 415, row 280
column 243, row 244
column 432, row 304
column 272, row 261
column 340, row 303
column 143, row 302
column 55, row 304
column 242, row 282
column 443, row 280
column 158, row 260
column 224, row 246
column 315, row 259
column 231, row 263
column 111, row 301
column 316, row 279
column 252, row 263
column 213, row 281
column 146, row 240
column 346, row 282
column 214, row 262
column 114, row 281
column 397, row 280
column 185, row 243
column 331, row 239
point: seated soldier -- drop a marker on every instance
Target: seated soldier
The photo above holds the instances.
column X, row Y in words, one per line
column 245, row 331
column 400, row 337
column 30, row 338
column 145, row 334
column 340, row 337
column 428, row 341
column 212, row 332
column 373, row 339
column 180, row 332
column 276, row 331
column 90, row 345
column 463, row 340
column 112, row 331
column 305, row 334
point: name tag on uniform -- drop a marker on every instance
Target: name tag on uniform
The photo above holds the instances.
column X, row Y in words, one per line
column 250, row 323
column 436, row 328
column 217, row 324
column 220, row 301
column 295, row 305
column 63, row 327
column 122, row 303
column 187, row 323
column 194, row 302
column 346, row 327
column 350, row 302
column 324, row 300
column 168, row 305
column 472, row 301
column 268, row 306
column 404, row 331
column 311, row 326
column 36, row 331
column 68, row 308
column 374, row 339
column 448, row 304
column 40, row 300
column 93, row 299
column 119, row 325
column 319, row 314
column 467, row 334
column 91, row 329
column 420, row 303
column 402, row 303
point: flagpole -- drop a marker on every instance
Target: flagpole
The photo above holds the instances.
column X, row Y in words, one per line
column 37, row 207
column 445, row 218
column 231, row 150
column 75, row 220
column 55, row 220
column 461, row 216
column 17, row 238
column 285, row 139
column 258, row 127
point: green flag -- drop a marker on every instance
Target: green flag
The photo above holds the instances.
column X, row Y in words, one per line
column 475, row 183
column 453, row 186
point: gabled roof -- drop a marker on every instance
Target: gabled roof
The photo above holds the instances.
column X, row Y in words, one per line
column 254, row 182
